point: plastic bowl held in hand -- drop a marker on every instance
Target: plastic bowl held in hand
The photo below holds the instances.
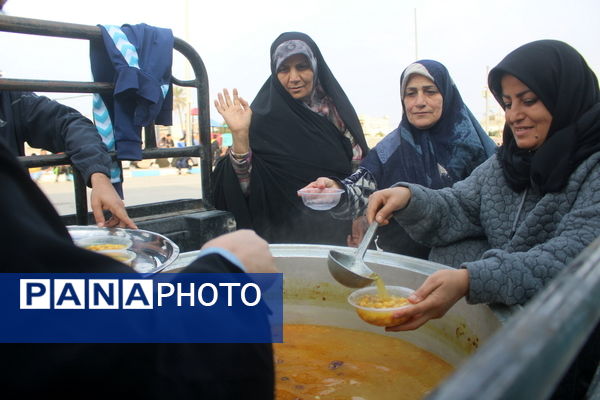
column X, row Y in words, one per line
column 371, row 308
column 104, row 243
column 320, row 199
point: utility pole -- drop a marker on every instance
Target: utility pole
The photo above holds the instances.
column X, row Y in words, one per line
column 416, row 39
column 486, row 96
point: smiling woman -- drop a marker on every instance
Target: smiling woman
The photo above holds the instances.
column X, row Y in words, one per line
column 527, row 117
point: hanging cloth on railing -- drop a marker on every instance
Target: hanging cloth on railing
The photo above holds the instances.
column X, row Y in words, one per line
column 105, row 129
column 138, row 59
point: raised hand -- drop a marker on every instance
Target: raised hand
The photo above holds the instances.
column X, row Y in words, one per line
column 237, row 114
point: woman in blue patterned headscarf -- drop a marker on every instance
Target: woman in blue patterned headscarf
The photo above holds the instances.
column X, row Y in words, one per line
column 437, row 143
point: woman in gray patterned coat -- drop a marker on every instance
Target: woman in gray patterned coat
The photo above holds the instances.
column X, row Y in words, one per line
column 525, row 213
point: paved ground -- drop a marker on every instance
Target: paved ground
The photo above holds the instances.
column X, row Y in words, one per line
column 140, row 187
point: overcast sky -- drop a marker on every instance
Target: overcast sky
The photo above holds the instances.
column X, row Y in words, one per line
column 366, row 43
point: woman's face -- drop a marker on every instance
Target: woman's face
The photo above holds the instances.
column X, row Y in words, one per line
column 525, row 114
column 296, row 76
column 423, row 102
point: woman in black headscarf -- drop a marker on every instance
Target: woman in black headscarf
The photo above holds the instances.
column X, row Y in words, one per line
column 300, row 126
column 569, row 90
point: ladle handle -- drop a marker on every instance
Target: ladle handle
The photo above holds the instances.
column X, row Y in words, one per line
column 364, row 244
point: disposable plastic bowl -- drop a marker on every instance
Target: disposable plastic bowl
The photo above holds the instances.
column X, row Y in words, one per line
column 377, row 311
column 318, row 199
column 104, row 243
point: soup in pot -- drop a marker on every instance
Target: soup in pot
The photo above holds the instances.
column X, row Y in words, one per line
column 325, row 362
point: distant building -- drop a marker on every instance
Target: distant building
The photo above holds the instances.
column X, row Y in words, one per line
column 493, row 117
column 375, row 128
column 493, row 124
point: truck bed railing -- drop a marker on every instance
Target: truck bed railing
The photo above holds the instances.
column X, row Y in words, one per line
column 93, row 33
column 529, row 355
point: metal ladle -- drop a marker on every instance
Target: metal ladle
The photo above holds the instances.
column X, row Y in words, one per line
column 350, row 270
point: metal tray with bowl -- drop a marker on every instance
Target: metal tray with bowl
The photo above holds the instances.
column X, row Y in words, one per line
column 153, row 252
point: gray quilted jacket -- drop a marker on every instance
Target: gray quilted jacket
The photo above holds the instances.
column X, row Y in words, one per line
column 511, row 243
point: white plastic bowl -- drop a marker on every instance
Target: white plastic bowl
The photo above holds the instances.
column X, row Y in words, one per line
column 379, row 316
column 318, row 199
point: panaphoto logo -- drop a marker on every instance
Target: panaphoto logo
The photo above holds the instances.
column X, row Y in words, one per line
column 133, row 294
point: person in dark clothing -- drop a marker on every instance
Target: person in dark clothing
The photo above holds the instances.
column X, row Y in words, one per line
column 183, row 162
column 35, row 240
column 301, row 125
column 47, row 124
column 216, row 151
column 167, row 141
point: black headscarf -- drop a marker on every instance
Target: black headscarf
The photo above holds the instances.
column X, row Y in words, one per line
column 568, row 88
column 291, row 147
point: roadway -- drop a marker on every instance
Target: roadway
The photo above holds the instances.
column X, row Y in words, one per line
column 166, row 185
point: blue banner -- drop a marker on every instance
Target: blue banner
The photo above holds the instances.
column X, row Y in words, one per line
column 132, row 308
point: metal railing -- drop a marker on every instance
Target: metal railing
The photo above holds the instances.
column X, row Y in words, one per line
column 93, row 33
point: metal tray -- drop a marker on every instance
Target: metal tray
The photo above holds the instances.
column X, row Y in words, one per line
column 154, row 251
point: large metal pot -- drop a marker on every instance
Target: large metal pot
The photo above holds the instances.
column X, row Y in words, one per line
column 312, row 296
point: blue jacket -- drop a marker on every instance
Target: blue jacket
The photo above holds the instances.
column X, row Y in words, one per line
column 138, row 59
